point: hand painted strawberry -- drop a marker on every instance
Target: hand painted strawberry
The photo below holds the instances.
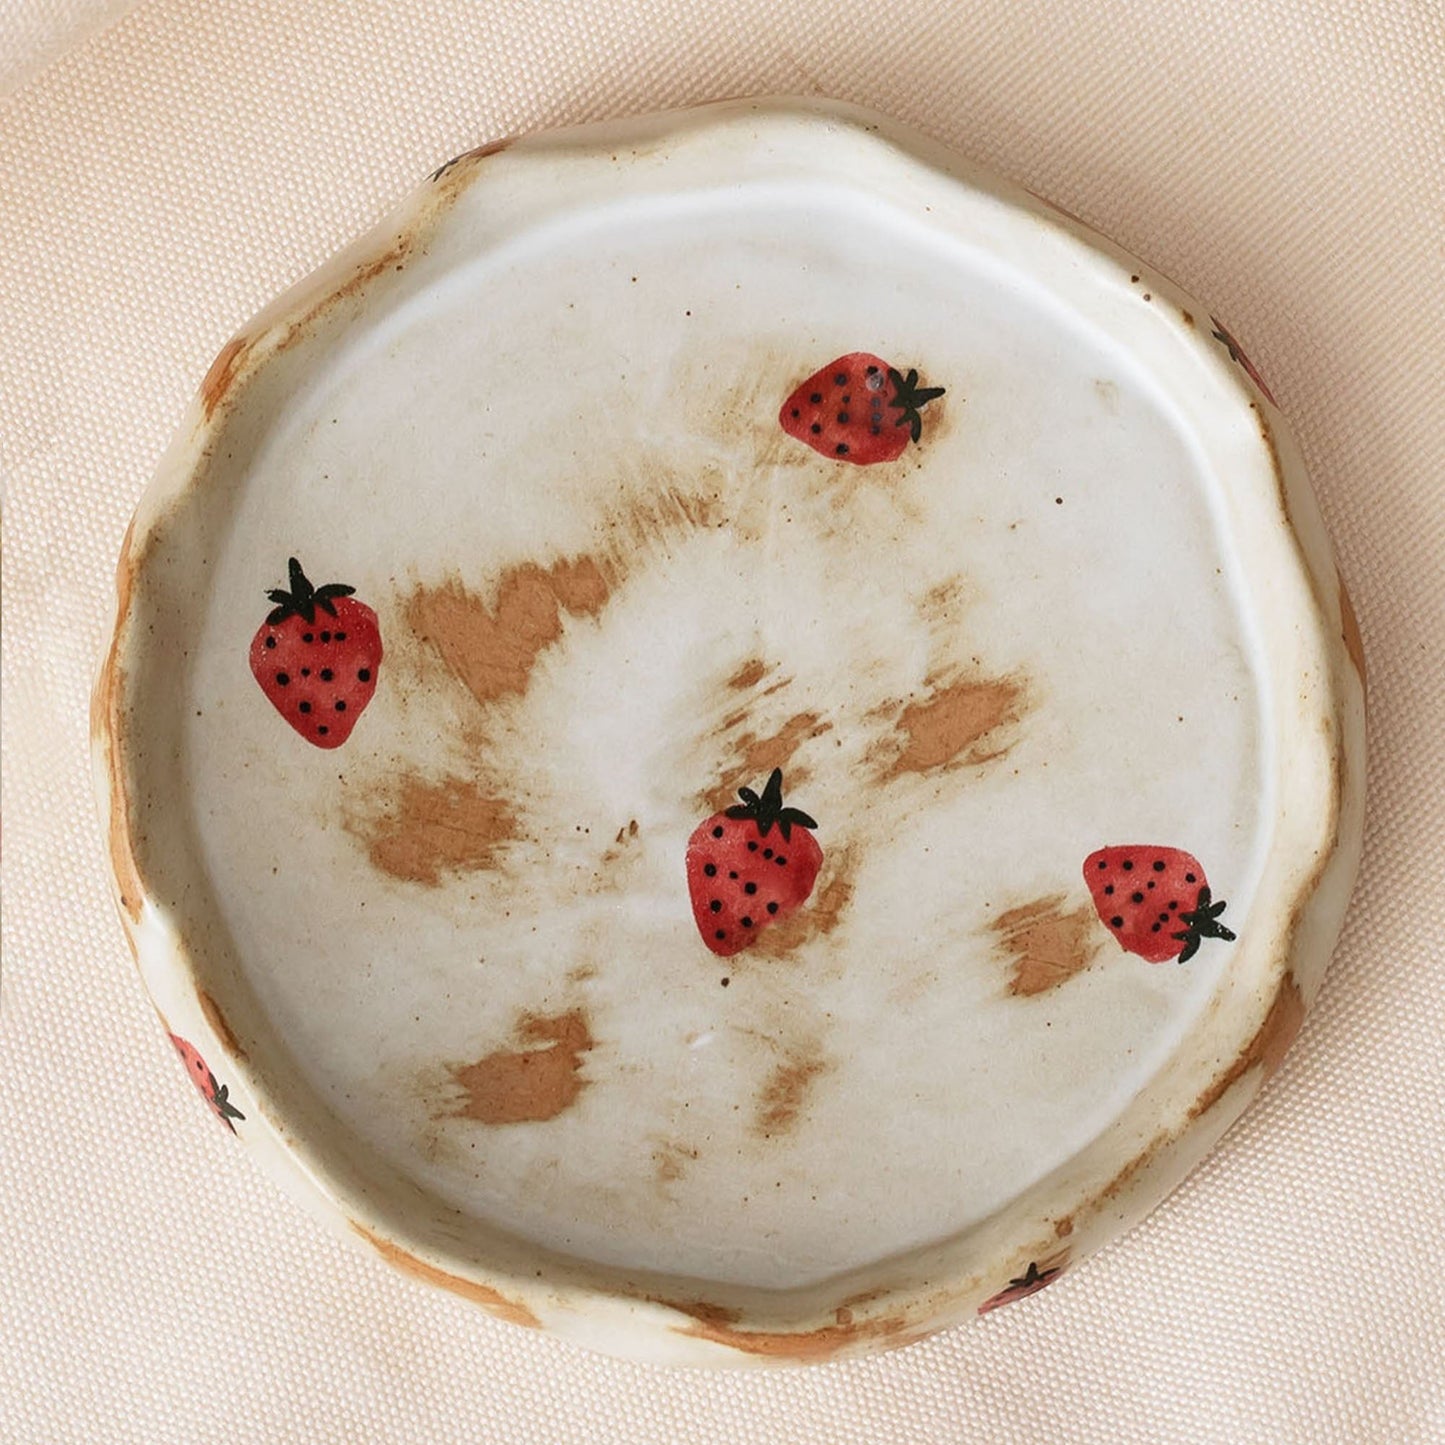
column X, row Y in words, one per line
column 1155, row 901
column 858, row 409
column 316, row 657
column 750, row 865
column 1026, row 1284
column 205, row 1081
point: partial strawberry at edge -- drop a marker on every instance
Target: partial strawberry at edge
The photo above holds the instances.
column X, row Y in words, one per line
column 316, row 657
column 1155, row 900
column 1031, row 1282
column 858, row 409
column 750, row 866
column 216, row 1095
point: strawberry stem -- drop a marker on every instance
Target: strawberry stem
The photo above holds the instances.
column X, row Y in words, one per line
column 908, row 397
column 1201, row 922
column 303, row 599
column 767, row 809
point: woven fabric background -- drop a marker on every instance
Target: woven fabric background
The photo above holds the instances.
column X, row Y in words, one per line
column 1284, row 159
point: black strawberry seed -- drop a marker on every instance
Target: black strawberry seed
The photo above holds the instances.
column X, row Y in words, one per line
column 796, row 412
column 717, row 832
column 305, row 707
column 363, row 674
column 1151, row 883
column 716, row 905
column 340, row 704
column 1153, row 928
column 1173, row 904
column 1189, row 878
column 1128, row 865
column 323, row 729
column 282, row 679
column 872, row 371
column 339, row 636
column 326, row 637
column 747, row 922
column 841, row 379
column 710, row 869
column 815, row 429
column 767, row 852
column 1116, row 922
column 1158, row 865
column 1102, row 865
column 1108, row 888
column 305, row 672
column 781, row 861
column 847, row 400
column 842, row 418
column 750, row 887
column 720, row 934
column 752, row 847
column 270, row 642
column 732, row 875
column 841, row 449
column 772, row 908
column 326, row 672
column 816, row 397
column 1163, row 918
column 1136, row 898
column 306, row 637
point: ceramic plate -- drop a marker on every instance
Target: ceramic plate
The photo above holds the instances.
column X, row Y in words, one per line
column 730, row 738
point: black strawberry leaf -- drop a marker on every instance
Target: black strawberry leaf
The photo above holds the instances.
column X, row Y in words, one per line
column 1201, row 922
column 908, row 397
column 303, row 599
column 768, row 809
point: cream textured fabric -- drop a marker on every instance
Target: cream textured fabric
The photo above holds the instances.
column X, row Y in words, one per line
column 1283, row 158
column 33, row 32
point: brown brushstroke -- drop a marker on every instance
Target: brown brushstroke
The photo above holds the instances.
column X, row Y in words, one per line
column 221, row 373
column 492, row 650
column 803, row 1346
column 783, row 1094
column 1045, row 945
column 954, row 724
column 492, row 1300
column 719, row 1316
column 756, row 756
column 391, row 259
column 1350, row 628
column 420, row 829
column 670, row 1162
column 527, row 1085
column 106, row 735
column 217, row 1020
column 749, row 675
column 1265, row 1050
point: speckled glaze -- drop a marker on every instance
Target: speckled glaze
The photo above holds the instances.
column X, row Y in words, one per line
column 731, row 739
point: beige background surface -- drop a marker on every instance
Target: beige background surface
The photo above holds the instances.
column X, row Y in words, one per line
column 163, row 180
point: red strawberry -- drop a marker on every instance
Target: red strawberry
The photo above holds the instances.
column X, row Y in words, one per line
column 740, row 878
column 1155, row 901
column 319, row 673
column 1026, row 1284
column 858, row 409
column 205, row 1081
